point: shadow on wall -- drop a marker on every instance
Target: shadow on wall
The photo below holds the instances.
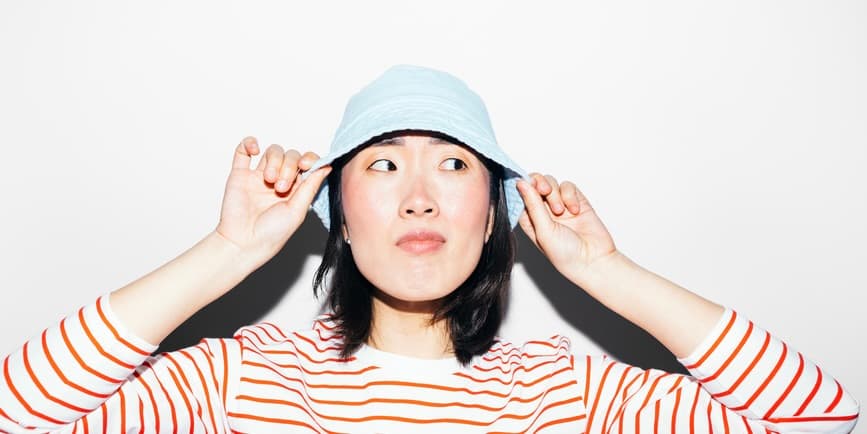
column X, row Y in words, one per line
column 256, row 295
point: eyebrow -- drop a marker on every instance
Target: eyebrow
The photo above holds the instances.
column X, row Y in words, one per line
column 398, row 141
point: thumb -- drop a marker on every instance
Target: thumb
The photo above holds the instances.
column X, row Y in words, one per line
column 307, row 189
column 536, row 209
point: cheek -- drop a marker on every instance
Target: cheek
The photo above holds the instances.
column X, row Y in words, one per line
column 366, row 209
column 465, row 206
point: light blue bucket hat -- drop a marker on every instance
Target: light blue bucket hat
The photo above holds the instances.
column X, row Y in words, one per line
column 408, row 97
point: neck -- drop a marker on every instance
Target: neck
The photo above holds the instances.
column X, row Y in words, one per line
column 405, row 328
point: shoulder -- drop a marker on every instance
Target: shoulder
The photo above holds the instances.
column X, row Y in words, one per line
column 537, row 365
column 541, row 347
column 317, row 343
column 553, row 350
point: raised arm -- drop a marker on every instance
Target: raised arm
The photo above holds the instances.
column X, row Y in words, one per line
column 259, row 213
column 742, row 380
column 95, row 363
column 737, row 368
column 91, row 374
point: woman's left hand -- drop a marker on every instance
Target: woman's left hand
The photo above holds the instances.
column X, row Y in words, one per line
column 562, row 224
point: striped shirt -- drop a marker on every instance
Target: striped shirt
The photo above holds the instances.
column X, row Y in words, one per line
column 90, row 374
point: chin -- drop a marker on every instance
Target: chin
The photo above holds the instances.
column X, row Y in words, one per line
column 406, row 294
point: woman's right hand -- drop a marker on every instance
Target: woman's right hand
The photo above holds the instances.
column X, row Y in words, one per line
column 263, row 207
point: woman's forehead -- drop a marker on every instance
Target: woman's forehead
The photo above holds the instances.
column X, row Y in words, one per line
column 429, row 139
column 402, row 139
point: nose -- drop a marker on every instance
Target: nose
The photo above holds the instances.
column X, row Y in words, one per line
column 418, row 200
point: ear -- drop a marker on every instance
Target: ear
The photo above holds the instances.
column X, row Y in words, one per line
column 345, row 231
column 490, row 227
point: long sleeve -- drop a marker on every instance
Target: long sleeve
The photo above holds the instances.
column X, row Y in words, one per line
column 742, row 380
column 90, row 374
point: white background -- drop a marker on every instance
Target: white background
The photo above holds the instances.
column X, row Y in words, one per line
column 723, row 145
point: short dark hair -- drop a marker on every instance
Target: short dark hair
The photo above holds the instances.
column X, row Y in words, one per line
column 473, row 312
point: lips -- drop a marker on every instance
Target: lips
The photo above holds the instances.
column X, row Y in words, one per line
column 421, row 241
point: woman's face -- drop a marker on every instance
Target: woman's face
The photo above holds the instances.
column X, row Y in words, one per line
column 405, row 185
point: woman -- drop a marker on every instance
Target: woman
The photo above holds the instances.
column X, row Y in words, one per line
column 420, row 204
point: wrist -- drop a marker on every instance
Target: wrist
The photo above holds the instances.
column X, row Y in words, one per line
column 602, row 271
column 230, row 255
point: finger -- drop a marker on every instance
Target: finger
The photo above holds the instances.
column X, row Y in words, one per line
column 569, row 193
column 248, row 146
column 295, row 184
column 262, row 162
column 307, row 188
column 304, row 164
column 536, row 208
column 288, row 171
column 540, row 183
column 583, row 203
column 524, row 221
column 582, row 200
column 307, row 160
column 271, row 163
column 554, row 199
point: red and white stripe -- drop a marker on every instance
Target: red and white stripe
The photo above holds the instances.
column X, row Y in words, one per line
column 89, row 374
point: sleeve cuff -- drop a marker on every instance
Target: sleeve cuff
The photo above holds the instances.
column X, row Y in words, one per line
column 115, row 330
column 712, row 340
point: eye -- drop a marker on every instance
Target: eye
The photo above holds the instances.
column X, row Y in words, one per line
column 388, row 166
column 459, row 164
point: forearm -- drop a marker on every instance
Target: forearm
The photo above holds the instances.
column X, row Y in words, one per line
column 675, row 316
column 58, row 381
column 786, row 391
column 157, row 303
